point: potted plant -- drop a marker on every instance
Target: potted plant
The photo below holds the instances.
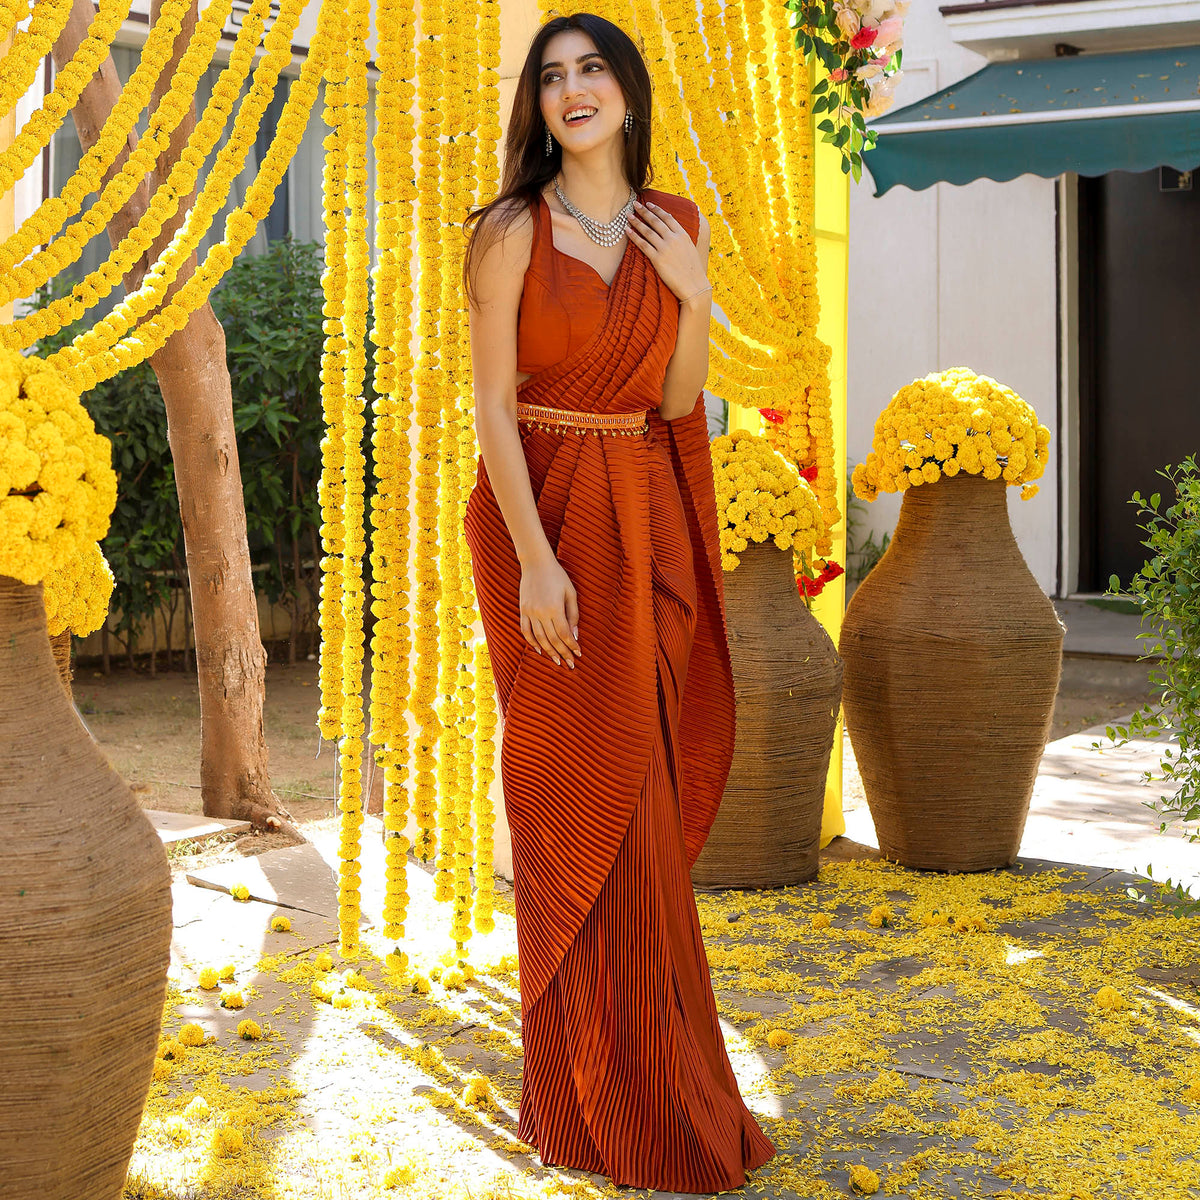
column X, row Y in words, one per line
column 786, row 672
column 952, row 651
column 85, row 900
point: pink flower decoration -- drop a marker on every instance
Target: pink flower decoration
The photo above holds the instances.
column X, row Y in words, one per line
column 839, row 74
column 891, row 30
column 864, row 37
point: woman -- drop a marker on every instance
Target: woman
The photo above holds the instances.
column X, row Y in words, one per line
column 593, row 537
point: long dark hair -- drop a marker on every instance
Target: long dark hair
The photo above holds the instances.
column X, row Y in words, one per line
column 527, row 166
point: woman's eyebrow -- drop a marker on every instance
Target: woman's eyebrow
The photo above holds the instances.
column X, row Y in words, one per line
column 581, row 58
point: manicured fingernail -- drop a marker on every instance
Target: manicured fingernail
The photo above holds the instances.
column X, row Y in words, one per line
column 557, row 661
column 575, row 633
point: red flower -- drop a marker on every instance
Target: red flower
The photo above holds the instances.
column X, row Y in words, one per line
column 814, row 587
column 808, row 474
column 864, row 37
column 772, row 414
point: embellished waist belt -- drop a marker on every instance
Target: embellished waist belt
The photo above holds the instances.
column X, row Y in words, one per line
column 561, row 420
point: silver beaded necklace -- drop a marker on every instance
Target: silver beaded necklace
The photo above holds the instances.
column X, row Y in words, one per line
column 603, row 234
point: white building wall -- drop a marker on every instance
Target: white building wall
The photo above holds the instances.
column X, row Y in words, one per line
column 954, row 276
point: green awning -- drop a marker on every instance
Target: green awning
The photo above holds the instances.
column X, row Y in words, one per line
column 1088, row 113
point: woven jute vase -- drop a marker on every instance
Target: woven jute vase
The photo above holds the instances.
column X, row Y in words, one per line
column 787, row 680
column 953, row 655
column 85, row 931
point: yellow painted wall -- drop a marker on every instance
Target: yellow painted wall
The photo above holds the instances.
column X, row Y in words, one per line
column 832, row 236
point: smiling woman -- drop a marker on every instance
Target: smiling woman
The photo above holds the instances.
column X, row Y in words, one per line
column 593, row 538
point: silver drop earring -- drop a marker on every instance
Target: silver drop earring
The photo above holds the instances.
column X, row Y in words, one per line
column 549, row 143
column 628, row 124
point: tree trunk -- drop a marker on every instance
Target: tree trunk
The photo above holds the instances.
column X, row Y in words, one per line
column 194, row 379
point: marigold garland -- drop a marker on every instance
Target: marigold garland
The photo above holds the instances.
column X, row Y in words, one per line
column 950, row 422
column 99, row 283
column 426, row 381
column 391, row 553
column 19, row 67
column 49, row 217
column 70, row 82
column 732, row 106
column 87, row 359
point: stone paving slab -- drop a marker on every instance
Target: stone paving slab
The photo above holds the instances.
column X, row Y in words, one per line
column 294, row 877
column 1099, row 631
column 212, row 929
column 175, row 827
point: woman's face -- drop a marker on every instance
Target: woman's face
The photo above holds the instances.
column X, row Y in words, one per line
column 581, row 103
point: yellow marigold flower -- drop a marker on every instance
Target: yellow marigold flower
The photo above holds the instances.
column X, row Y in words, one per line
column 478, row 1092
column 191, row 1034
column 881, row 917
column 208, row 979
column 280, row 924
column 400, row 1176
column 323, row 961
column 197, row 1109
column 421, row 985
column 239, row 891
column 170, row 1050
column 821, row 920
column 249, row 1031
column 863, row 1180
column 232, row 998
column 227, row 972
column 227, row 1141
column 177, row 1129
column 779, row 1038
column 935, row 919
column 1110, row 1000
column 321, row 990
column 343, row 1000
column 454, row 980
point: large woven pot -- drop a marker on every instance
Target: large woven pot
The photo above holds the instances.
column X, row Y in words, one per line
column 85, row 931
column 952, row 655
column 787, row 679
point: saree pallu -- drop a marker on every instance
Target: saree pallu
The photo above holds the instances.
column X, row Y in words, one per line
column 613, row 771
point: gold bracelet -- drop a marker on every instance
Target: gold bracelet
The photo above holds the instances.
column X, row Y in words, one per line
column 695, row 294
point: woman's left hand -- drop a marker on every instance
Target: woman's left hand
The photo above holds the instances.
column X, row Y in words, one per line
column 669, row 248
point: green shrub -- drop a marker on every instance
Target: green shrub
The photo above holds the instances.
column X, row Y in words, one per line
column 1167, row 591
column 270, row 307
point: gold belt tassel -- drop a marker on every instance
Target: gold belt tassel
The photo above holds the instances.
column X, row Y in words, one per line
column 561, row 420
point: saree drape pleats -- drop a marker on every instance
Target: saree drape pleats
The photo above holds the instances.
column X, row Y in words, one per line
column 613, row 772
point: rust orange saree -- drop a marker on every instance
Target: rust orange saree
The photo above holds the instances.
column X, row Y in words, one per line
column 613, row 772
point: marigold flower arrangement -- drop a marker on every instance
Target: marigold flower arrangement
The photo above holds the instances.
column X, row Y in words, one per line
column 57, row 485
column 858, row 42
column 760, row 497
column 952, row 422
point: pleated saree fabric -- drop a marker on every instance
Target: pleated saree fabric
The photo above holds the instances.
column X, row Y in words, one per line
column 613, row 772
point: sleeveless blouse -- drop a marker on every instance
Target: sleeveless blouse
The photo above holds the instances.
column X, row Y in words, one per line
column 549, row 331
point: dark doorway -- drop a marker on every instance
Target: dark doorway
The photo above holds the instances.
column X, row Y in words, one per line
column 1139, row 273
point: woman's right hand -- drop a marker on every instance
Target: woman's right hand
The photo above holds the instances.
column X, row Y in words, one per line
column 550, row 611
